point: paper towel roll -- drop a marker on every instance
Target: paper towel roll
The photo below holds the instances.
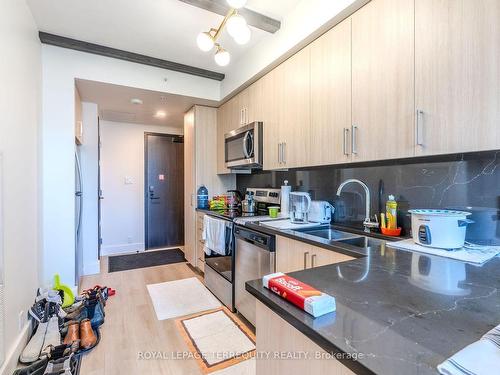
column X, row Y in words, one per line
column 285, row 199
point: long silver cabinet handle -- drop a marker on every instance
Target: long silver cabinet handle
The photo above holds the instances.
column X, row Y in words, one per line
column 305, row 259
column 354, row 145
column 419, row 127
column 279, row 153
column 346, row 136
column 313, row 258
column 284, row 152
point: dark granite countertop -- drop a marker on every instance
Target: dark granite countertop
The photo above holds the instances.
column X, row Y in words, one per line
column 405, row 312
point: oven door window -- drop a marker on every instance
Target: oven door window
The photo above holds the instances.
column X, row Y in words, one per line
column 240, row 146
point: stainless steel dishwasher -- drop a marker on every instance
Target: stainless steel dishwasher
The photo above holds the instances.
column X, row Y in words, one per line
column 254, row 258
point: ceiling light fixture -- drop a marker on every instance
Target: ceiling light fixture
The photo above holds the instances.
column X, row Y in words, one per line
column 136, row 101
column 205, row 41
column 237, row 28
column 222, row 57
column 160, row 114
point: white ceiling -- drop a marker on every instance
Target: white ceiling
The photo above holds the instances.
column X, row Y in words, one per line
column 165, row 29
column 114, row 104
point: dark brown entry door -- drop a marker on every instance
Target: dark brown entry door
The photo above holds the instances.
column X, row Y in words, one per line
column 164, row 190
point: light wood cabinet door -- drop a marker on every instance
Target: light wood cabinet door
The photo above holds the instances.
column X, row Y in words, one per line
column 295, row 118
column 222, row 121
column 272, row 88
column 242, row 102
column 292, row 255
column 275, row 335
column 189, row 187
column 457, row 76
column 331, row 96
column 255, row 101
column 383, row 108
column 322, row 257
column 200, row 244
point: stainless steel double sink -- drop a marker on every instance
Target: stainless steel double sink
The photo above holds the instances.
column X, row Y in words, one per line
column 337, row 236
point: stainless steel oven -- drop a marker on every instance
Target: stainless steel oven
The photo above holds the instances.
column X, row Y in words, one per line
column 243, row 147
column 219, row 276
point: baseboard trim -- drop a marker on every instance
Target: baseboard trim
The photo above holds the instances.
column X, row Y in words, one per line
column 12, row 357
column 122, row 248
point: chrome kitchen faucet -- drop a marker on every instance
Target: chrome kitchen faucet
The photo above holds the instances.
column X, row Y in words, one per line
column 367, row 223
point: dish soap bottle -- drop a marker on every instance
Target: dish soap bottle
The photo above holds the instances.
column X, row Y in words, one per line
column 391, row 208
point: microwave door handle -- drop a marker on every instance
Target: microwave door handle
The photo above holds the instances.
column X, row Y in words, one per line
column 248, row 154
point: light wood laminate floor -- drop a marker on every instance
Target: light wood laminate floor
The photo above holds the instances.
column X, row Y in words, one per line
column 131, row 326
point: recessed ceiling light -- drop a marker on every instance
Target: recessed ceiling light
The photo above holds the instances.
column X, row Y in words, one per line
column 160, row 114
column 136, row 101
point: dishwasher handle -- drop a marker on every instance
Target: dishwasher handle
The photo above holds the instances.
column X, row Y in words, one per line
column 262, row 240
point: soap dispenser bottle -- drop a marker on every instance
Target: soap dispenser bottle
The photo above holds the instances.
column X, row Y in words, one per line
column 391, row 208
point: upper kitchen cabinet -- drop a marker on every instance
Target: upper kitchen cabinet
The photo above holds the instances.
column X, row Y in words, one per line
column 272, row 91
column 383, row 108
column 294, row 109
column 223, row 115
column 331, row 96
column 457, row 77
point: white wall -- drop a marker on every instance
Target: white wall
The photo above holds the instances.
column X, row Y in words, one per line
column 89, row 162
column 300, row 24
column 122, row 156
column 60, row 68
column 20, row 77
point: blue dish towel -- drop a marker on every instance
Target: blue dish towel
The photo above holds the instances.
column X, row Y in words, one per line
column 479, row 358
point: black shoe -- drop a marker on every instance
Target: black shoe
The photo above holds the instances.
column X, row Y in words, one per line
column 56, row 309
column 39, row 311
column 64, row 365
column 36, row 368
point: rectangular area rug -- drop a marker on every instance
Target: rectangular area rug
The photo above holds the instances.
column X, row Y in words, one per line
column 145, row 259
column 181, row 297
column 218, row 341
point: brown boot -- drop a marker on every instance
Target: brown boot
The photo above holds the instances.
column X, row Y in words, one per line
column 73, row 333
column 87, row 336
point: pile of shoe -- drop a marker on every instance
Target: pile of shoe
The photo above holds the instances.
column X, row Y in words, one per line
column 47, row 352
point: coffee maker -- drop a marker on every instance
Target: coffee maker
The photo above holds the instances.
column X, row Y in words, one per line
column 300, row 204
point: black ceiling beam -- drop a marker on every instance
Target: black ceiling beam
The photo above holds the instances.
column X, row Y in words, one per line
column 254, row 19
column 96, row 49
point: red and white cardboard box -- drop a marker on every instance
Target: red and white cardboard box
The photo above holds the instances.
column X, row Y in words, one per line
column 302, row 295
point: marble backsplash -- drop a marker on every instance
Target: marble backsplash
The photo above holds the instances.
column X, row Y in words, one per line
column 454, row 181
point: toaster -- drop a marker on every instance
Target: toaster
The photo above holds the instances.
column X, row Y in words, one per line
column 320, row 212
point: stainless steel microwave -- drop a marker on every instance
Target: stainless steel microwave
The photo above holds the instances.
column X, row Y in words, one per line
column 243, row 147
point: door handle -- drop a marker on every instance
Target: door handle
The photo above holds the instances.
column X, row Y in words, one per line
column 419, row 128
column 305, row 259
column 280, row 148
column 354, row 146
column 284, row 152
column 346, row 136
column 313, row 258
